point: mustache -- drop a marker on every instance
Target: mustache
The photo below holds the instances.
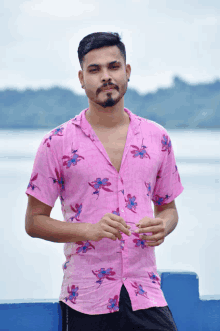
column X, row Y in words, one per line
column 108, row 85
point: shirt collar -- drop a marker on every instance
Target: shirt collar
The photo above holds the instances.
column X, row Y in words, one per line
column 81, row 121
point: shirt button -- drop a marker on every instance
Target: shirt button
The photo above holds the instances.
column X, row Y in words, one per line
column 122, row 210
column 119, row 176
column 124, row 279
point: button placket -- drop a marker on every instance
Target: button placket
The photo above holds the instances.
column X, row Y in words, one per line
column 121, row 195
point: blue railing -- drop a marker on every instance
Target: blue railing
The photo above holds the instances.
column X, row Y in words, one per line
column 181, row 290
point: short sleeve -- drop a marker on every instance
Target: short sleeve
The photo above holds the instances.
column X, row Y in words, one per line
column 168, row 184
column 46, row 180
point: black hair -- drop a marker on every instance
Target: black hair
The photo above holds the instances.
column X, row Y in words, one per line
column 98, row 40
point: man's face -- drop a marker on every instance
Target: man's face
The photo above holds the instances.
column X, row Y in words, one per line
column 105, row 68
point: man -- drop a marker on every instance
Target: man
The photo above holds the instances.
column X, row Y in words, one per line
column 107, row 165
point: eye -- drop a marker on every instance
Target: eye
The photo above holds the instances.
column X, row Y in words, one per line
column 112, row 67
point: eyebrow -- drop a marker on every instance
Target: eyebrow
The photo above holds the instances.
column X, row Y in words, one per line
column 97, row 65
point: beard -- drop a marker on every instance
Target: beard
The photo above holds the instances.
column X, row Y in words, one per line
column 110, row 101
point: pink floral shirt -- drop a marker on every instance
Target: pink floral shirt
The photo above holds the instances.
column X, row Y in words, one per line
column 72, row 164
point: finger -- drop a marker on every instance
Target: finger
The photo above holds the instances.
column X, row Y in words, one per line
column 112, row 230
column 156, row 243
column 106, row 232
column 149, row 222
column 120, row 220
column 119, row 226
column 154, row 229
column 150, row 238
column 110, row 236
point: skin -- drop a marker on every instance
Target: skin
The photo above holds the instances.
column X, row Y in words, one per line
column 106, row 113
column 106, row 109
column 165, row 221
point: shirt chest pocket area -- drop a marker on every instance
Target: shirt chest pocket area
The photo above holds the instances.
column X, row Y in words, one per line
column 82, row 164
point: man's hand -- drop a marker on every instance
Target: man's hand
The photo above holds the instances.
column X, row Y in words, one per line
column 155, row 226
column 109, row 226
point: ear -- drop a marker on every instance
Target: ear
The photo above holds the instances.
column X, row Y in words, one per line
column 128, row 70
column 80, row 75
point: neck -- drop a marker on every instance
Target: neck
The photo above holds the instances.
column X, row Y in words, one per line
column 108, row 118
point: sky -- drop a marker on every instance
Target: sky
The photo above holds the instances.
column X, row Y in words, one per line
column 163, row 38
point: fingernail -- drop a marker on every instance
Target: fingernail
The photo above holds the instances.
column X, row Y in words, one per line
column 136, row 231
column 129, row 233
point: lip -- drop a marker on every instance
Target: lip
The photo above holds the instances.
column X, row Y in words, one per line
column 108, row 89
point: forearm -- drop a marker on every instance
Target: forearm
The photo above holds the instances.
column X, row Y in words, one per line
column 170, row 217
column 47, row 228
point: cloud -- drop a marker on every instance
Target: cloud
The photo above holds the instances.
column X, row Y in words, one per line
column 165, row 38
column 66, row 9
column 210, row 20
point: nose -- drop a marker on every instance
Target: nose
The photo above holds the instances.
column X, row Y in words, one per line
column 105, row 76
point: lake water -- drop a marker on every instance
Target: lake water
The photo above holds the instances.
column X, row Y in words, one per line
column 31, row 267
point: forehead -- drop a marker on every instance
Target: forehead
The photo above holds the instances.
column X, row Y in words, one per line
column 103, row 55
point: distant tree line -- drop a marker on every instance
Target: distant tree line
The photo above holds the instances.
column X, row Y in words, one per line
column 180, row 106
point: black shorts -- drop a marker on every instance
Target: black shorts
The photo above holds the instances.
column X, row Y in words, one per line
column 155, row 318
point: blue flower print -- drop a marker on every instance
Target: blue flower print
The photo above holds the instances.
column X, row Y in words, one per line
column 166, row 144
column 99, row 184
column 101, row 274
column 61, row 200
column 139, row 290
column 33, row 186
column 84, row 247
column 159, row 201
column 176, row 170
column 77, row 210
column 139, row 242
column 154, row 278
column 55, row 132
column 131, row 204
column 59, row 180
column 65, row 265
column 113, row 306
column 72, row 293
column 72, row 160
column 140, row 151
column 148, row 186
column 116, row 212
